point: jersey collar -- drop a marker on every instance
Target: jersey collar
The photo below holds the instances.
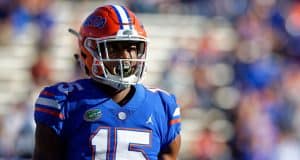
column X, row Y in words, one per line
column 135, row 101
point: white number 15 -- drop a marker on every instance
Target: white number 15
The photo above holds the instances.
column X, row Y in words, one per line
column 125, row 140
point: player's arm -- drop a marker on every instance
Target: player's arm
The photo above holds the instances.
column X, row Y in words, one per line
column 171, row 139
column 48, row 146
column 172, row 150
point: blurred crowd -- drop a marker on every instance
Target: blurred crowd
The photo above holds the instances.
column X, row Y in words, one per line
column 243, row 85
column 18, row 20
column 245, row 73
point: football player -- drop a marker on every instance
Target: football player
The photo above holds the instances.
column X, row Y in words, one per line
column 109, row 115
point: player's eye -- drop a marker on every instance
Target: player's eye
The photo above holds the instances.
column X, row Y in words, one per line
column 116, row 48
column 132, row 48
column 119, row 47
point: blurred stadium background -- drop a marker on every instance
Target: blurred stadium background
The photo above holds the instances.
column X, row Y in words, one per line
column 233, row 64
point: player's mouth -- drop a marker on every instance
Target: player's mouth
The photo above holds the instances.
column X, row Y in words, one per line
column 124, row 67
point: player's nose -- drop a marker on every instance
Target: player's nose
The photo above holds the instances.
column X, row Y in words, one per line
column 125, row 54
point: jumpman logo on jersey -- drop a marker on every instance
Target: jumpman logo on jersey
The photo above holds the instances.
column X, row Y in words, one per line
column 149, row 121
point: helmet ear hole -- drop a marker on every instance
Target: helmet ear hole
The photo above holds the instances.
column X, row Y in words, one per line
column 92, row 47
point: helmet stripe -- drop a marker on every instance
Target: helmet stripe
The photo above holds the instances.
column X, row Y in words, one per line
column 128, row 17
column 122, row 16
column 118, row 15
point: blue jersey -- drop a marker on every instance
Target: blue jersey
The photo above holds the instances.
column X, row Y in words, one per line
column 95, row 127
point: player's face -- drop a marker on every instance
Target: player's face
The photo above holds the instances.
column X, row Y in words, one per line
column 123, row 54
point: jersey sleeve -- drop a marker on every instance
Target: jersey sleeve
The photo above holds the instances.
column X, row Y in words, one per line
column 49, row 108
column 173, row 117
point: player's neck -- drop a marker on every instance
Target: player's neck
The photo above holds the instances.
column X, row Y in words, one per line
column 121, row 97
column 124, row 96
